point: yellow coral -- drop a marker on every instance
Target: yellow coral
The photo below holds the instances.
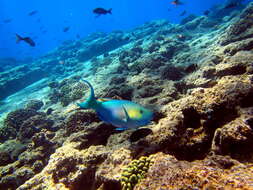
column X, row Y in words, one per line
column 135, row 172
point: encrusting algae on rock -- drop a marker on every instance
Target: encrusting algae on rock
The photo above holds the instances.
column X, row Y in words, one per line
column 214, row 172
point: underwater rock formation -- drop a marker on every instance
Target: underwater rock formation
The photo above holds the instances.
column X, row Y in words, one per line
column 67, row 91
column 18, row 78
column 101, row 46
column 34, row 104
column 214, row 172
column 241, row 29
column 78, row 165
column 13, row 122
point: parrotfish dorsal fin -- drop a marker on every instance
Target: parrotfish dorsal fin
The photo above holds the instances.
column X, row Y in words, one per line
column 91, row 102
column 126, row 119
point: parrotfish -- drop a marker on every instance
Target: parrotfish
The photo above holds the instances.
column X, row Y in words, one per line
column 122, row 114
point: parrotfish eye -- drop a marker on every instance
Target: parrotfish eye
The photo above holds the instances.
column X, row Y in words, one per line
column 141, row 111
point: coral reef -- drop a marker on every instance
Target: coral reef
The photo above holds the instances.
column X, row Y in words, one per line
column 67, row 91
column 26, row 144
column 18, row 78
column 13, row 122
column 197, row 77
column 241, row 29
column 34, row 104
column 214, row 172
column 78, row 165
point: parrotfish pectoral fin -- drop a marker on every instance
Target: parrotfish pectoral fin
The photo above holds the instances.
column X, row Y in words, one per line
column 121, row 129
column 126, row 119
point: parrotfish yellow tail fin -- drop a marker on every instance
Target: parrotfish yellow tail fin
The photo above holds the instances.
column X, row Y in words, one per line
column 91, row 102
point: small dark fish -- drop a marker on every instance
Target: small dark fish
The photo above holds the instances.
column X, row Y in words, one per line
column 169, row 10
column 177, row 2
column 38, row 20
column 65, row 29
column 191, row 68
column 206, row 12
column 25, row 39
column 8, row 20
column 102, row 11
column 231, row 5
column 78, row 36
column 183, row 13
column 32, row 13
column 49, row 111
column 44, row 31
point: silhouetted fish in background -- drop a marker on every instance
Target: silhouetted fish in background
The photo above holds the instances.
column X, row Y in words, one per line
column 102, row 11
column 176, row 2
column 65, row 29
column 231, row 5
column 206, row 12
column 25, row 39
column 183, row 13
column 32, row 13
column 78, row 36
column 8, row 20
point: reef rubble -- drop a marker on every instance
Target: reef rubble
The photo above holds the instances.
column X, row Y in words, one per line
column 196, row 76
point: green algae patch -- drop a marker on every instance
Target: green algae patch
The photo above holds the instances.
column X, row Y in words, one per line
column 135, row 172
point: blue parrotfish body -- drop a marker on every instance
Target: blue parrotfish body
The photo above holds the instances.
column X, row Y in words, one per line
column 122, row 114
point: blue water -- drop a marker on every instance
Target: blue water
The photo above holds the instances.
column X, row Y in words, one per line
column 46, row 27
